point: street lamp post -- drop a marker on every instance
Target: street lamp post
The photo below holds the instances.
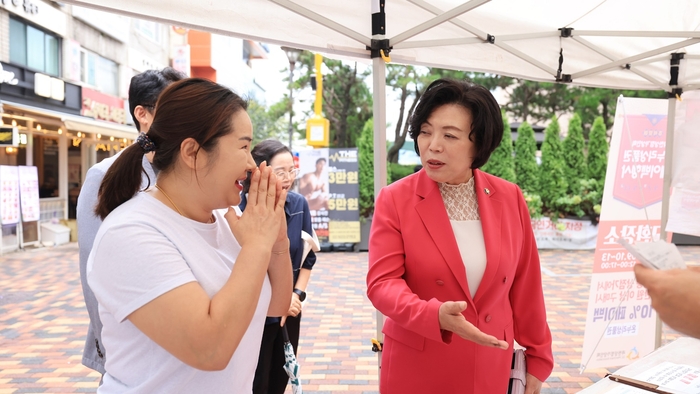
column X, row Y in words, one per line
column 293, row 57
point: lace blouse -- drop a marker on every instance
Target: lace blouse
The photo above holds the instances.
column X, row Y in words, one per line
column 463, row 211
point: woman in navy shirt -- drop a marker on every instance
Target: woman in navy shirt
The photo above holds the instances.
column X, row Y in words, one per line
column 270, row 377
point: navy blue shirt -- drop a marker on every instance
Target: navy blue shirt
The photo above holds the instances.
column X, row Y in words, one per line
column 298, row 216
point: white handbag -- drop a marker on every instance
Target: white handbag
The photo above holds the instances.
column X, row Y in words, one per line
column 518, row 373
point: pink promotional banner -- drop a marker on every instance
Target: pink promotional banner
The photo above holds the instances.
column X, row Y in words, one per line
column 620, row 323
column 684, row 206
column 29, row 193
column 9, row 195
column 641, row 164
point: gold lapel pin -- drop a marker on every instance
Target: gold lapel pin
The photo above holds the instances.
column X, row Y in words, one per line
column 487, row 191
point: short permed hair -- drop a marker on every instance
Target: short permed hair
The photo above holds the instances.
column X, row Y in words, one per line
column 487, row 122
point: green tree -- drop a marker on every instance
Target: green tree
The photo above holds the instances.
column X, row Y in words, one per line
column 268, row 122
column 574, row 159
column 526, row 171
column 347, row 101
column 553, row 183
column 404, row 80
column 365, row 153
column 501, row 163
column 593, row 102
column 597, row 158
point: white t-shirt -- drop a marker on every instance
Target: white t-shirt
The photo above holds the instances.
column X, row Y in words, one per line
column 142, row 250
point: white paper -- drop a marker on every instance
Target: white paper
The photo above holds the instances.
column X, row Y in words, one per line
column 671, row 377
column 658, row 255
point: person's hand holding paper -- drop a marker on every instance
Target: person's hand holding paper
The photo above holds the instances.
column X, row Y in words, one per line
column 674, row 290
column 658, row 255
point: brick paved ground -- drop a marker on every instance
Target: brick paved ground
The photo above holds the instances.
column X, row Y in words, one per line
column 42, row 323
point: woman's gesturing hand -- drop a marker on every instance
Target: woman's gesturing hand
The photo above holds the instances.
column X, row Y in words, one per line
column 451, row 319
column 260, row 223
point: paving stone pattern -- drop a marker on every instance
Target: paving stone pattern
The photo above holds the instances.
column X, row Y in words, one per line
column 43, row 323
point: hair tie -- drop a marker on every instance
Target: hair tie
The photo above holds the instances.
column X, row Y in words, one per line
column 146, row 144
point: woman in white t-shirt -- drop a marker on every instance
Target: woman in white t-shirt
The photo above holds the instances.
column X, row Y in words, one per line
column 184, row 286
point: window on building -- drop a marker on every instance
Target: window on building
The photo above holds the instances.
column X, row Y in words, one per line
column 148, row 29
column 99, row 72
column 34, row 48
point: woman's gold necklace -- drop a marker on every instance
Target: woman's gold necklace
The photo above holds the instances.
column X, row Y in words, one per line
column 211, row 219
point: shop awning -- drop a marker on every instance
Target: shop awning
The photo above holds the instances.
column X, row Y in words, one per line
column 78, row 123
column 87, row 125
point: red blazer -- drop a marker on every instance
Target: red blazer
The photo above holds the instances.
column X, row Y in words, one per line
column 415, row 266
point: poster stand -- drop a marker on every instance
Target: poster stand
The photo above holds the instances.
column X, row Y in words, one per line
column 30, row 234
column 9, row 209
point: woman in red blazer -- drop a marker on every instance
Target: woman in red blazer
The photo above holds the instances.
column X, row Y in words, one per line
column 453, row 263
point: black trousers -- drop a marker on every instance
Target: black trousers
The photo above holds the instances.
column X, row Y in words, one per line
column 270, row 377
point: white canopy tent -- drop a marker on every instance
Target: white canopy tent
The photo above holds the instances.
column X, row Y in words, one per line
column 627, row 44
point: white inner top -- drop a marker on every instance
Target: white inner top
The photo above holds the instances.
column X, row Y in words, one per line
column 463, row 210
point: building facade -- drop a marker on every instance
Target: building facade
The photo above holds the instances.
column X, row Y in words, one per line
column 63, row 91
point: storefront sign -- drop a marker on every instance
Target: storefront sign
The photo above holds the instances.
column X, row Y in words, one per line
column 71, row 52
column 46, row 86
column 26, row 5
column 39, row 12
column 103, row 107
column 7, row 77
column 181, row 59
column 140, row 62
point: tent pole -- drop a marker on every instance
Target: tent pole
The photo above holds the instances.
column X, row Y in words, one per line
column 666, row 197
column 379, row 112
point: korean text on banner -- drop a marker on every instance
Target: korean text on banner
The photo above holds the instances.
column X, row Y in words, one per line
column 620, row 323
column 343, row 204
column 9, row 195
column 29, row 193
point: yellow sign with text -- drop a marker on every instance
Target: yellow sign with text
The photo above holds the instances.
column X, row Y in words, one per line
column 344, row 232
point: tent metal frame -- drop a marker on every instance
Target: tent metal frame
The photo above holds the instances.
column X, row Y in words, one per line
column 401, row 41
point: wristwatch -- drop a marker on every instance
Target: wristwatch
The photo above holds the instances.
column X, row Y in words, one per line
column 301, row 294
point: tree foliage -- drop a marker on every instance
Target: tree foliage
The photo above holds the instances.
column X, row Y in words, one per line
column 574, row 159
column 597, row 158
column 553, row 184
column 365, row 153
column 269, row 122
column 501, row 163
column 526, row 171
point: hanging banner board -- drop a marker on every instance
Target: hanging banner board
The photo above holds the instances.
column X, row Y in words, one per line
column 9, row 195
column 313, row 185
column 684, row 206
column 343, row 202
column 620, row 323
column 29, row 193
